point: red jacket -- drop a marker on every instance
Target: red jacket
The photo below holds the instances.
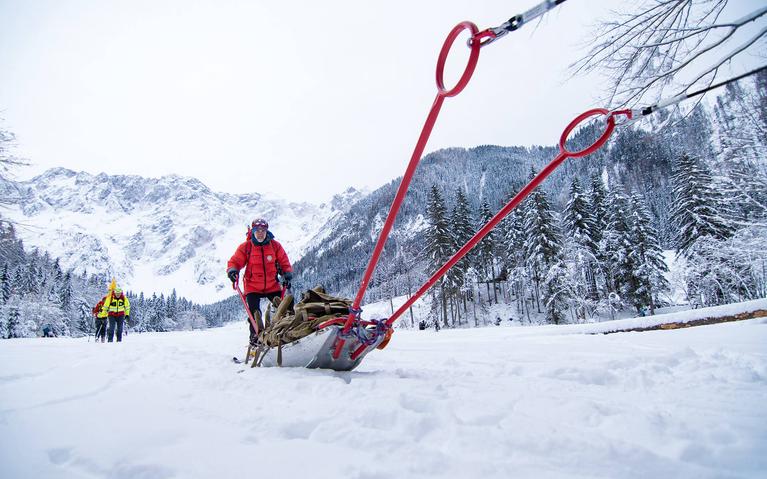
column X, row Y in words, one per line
column 261, row 268
column 98, row 306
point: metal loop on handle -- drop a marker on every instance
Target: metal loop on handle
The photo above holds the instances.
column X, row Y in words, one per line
column 470, row 66
column 594, row 146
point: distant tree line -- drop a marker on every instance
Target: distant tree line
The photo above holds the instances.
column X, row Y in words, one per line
column 35, row 291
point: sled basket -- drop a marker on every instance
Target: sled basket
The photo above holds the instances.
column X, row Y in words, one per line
column 307, row 334
column 316, row 351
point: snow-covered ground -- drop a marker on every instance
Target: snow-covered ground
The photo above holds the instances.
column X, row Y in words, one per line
column 493, row 402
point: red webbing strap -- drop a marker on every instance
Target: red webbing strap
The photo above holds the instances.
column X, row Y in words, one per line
column 564, row 153
column 431, row 119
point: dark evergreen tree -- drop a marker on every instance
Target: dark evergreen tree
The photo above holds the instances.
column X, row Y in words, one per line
column 172, row 305
column 486, row 250
column 461, row 227
column 616, row 244
column 462, row 230
column 543, row 244
column 646, row 256
column 5, row 285
column 14, row 323
column 597, row 203
column 439, row 244
column 696, row 211
column 577, row 219
column 65, row 291
column 557, row 291
column 57, row 273
column 16, row 283
column 581, row 248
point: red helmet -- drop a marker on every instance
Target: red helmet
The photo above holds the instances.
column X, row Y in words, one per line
column 259, row 223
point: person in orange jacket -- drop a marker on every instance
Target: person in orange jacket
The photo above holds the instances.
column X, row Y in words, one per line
column 263, row 258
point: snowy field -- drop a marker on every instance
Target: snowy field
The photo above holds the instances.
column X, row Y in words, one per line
column 496, row 402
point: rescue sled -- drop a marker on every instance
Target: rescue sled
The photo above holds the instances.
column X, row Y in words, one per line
column 311, row 333
column 316, row 351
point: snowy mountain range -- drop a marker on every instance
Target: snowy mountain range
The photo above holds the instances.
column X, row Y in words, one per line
column 155, row 234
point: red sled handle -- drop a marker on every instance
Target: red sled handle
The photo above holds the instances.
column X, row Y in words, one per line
column 253, row 322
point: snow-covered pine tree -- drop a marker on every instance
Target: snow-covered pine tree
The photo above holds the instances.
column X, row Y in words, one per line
column 580, row 247
column 172, row 305
column 697, row 209
column 439, row 245
column 5, row 285
column 65, row 291
column 577, row 217
column 616, row 244
column 543, row 246
column 557, row 291
column 31, row 284
column 742, row 146
column 716, row 272
column 461, row 230
column 486, row 251
column 56, row 270
column 597, row 201
column 18, row 280
column 514, row 255
column 14, row 323
column 646, row 256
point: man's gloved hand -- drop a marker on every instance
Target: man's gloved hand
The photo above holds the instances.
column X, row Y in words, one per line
column 127, row 317
column 286, row 277
column 233, row 275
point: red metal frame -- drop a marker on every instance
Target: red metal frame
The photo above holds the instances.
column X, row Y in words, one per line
column 477, row 41
column 431, row 119
column 253, row 322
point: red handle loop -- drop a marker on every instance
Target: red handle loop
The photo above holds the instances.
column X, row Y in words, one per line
column 594, row 146
column 470, row 66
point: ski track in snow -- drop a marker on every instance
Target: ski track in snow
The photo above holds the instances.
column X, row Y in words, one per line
column 489, row 402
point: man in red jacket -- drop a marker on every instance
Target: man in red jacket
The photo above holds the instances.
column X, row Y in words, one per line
column 262, row 257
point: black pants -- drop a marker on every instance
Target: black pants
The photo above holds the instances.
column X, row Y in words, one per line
column 119, row 320
column 101, row 328
column 254, row 304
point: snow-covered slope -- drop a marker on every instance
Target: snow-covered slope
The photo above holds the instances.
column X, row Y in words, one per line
column 155, row 234
column 522, row 402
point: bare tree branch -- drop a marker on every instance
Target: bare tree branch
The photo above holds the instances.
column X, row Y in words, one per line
column 662, row 44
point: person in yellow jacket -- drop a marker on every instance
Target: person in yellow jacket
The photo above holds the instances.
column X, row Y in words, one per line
column 117, row 308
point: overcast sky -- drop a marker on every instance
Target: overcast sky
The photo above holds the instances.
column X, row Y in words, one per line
column 301, row 98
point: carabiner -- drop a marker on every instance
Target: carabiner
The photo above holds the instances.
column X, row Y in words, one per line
column 487, row 36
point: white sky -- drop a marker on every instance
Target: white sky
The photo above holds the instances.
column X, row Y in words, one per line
column 258, row 96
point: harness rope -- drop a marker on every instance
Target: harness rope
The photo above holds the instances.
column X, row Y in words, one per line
column 635, row 114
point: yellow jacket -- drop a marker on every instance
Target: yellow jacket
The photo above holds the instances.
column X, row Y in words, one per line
column 115, row 306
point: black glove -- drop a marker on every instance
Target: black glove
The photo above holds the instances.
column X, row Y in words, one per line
column 286, row 277
column 233, row 275
column 127, row 317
